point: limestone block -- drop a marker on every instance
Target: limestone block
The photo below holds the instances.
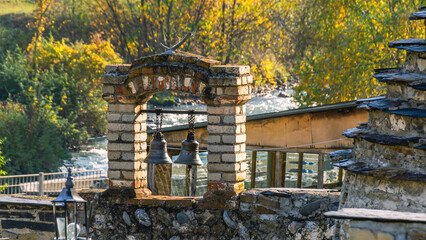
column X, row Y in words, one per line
column 113, row 117
column 361, row 234
column 132, row 156
column 133, row 175
column 231, row 69
column 214, row 176
column 226, row 110
column 113, row 155
column 108, row 89
column 233, row 119
column 234, row 177
column 112, row 78
column 214, row 139
column 120, row 165
column 117, row 68
column 241, row 138
column 240, row 90
column 212, row 129
column 214, row 157
column 125, row 147
column 236, row 157
column 222, row 167
column 114, row 174
column 112, row 136
column 223, row 148
column 384, row 236
column 213, row 119
column 133, row 137
column 124, row 127
column 124, row 108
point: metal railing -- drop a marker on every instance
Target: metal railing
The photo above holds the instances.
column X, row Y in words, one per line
column 280, row 169
column 47, row 183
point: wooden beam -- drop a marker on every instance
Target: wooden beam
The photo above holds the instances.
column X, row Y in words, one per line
column 188, row 180
column 193, row 180
column 270, row 174
column 340, row 176
column 283, row 161
column 299, row 171
column 151, row 178
column 253, row 169
column 273, row 167
column 320, row 170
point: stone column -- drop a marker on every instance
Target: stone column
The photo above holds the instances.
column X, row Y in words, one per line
column 226, row 127
column 127, row 147
column 226, row 158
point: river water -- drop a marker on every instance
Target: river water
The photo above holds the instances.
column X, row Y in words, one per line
column 94, row 155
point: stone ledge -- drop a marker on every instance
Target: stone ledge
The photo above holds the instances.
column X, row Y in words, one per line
column 28, row 201
column 377, row 215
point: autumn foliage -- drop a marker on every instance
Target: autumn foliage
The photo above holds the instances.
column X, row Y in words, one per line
column 326, row 49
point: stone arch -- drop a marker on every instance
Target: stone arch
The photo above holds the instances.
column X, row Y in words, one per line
column 181, row 72
column 225, row 90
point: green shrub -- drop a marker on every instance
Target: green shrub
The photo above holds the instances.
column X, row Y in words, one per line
column 13, row 75
column 34, row 142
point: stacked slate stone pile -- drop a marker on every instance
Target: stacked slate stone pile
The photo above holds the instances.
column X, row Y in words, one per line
column 387, row 167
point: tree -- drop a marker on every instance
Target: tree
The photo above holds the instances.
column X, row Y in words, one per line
column 350, row 41
column 2, row 160
column 73, row 83
column 34, row 141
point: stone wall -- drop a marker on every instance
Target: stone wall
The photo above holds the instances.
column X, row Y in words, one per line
column 379, row 193
column 26, row 219
column 254, row 214
column 374, row 224
column 366, row 230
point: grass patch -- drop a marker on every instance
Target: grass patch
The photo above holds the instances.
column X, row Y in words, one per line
column 16, row 7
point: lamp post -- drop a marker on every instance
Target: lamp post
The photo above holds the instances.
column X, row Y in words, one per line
column 68, row 200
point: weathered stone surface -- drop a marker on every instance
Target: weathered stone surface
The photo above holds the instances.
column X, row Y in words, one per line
column 213, row 223
column 293, row 227
column 243, row 232
column 142, row 217
column 164, row 217
column 228, row 221
column 127, row 219
column 182, row 218
column 309, row 208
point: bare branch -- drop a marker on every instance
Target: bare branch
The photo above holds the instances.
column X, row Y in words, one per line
column 177, row 45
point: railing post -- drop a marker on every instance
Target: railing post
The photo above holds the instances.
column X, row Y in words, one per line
column 340, row 177
column 320, row 170
column 253, row 169
column 270, row 177
column 283, row 160
column 299, row 171
column 41, row 184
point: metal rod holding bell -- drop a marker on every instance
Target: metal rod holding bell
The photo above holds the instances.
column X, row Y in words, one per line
column 189, row 155
column 157, row 152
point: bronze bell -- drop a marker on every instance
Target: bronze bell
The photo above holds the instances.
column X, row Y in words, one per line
column 158, row 150
column 189, row 152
